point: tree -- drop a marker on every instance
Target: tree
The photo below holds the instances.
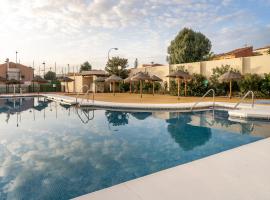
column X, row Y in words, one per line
column 50, row 76
column 117, row 66
column 188, row 46
column 209, row 56
column 86, row 66
column 136, row 63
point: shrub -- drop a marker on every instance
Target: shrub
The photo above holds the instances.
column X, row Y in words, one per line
column 251, row 82
column 123, row 87
column 198, row 85
column 173, row 88
column 265, row 85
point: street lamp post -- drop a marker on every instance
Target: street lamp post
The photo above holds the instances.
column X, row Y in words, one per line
column 43, row 69
column 110, row 51
column 16, row 57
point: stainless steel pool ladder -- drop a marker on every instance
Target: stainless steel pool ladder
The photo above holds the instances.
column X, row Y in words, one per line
column 86, row 96
column 200, row 100
column 243, row 98
column 81, row 90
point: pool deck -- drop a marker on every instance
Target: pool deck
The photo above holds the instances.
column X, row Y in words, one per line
column 244, row 112
column 236, row 174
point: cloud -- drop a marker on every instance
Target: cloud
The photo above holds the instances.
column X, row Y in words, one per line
column 75, row 30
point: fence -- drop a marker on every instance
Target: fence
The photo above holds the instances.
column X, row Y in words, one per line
column 5, row 89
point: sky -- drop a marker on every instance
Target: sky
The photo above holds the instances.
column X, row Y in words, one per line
column 73, row 31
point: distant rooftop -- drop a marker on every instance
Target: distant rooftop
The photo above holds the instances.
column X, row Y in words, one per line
column 14, row 65
column 266, row 47
column 152, row 65
column 94, row 72
column 236, row 53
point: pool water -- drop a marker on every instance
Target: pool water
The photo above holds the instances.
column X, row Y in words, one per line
column 50, row 151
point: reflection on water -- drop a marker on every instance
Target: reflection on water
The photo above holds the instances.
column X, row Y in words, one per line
column 187, row 136
column 52, row 151
column 117, row 118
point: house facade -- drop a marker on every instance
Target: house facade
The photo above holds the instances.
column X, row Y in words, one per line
column 11, row 70
column 86, row 80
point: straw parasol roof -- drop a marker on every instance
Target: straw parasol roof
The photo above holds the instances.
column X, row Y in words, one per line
column 128, row 79
column 65, row 79
column 2, row 79
column 179, row 74
column 230, row 76
column 113, row 78
column 100, row 79
column 38, row 79
column 141, row 77
column 141, row 115
column 155, row 78
column 13, row 81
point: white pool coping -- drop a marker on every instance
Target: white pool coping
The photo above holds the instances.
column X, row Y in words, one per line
column 236, row 174
column 245, row 111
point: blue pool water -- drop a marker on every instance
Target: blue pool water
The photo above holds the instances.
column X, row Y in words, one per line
column 49, row 151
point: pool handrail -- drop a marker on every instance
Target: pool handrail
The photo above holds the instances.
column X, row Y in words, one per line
column 86, row 94
column 199, row 101
column 243, row 98
column 81, row 90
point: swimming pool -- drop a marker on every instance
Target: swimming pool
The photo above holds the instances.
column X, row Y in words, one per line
column 52, row 151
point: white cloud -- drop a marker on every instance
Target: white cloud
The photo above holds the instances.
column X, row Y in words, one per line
column 75, row 30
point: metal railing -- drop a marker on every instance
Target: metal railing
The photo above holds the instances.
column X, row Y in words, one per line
column 86, row 96
column 78, row 93
column 199, row 101
column 243, row 98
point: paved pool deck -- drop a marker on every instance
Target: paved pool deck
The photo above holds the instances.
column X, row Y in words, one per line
column 236, row 174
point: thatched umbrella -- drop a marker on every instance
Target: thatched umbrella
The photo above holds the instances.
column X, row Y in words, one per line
column 39, row 80
column 154, row 79
column 113, row 79
column 2, row 79
column 128, row 80
column 229, row 77
column 99, row 80
column 13, row 82
column 141, row 77
column 141, row 115
column 66, row 80
column 180, row 75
